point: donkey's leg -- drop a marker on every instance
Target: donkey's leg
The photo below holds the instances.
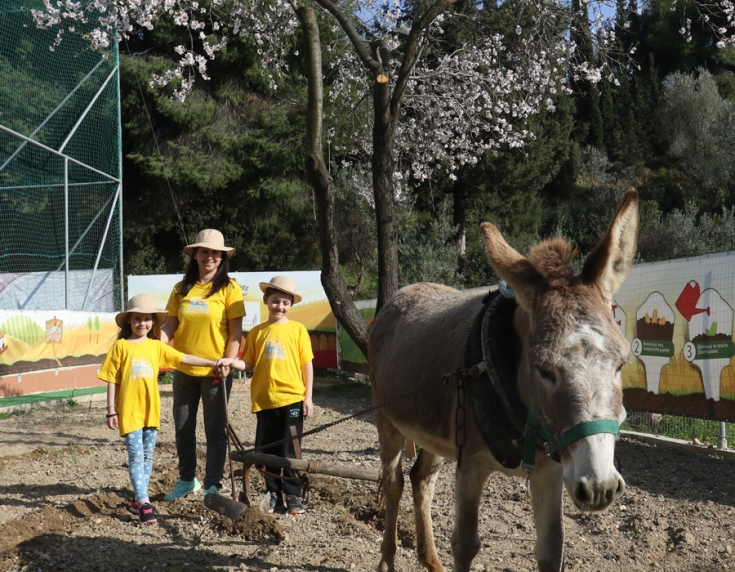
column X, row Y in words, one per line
column 423, row 477
column 546, row 501
column 469, row 482
column 391, row 447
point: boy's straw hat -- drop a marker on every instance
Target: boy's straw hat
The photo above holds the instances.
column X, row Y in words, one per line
column 142, row 304
column 284, row 284
column 209, row 238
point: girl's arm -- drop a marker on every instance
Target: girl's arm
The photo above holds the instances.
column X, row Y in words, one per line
column 237, row 364
column 169, row 329
column 194, row 360
column 308, row 371
column 111, row 411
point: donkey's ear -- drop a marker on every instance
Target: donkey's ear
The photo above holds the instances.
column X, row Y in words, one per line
column 515, row 269
column 608, row 264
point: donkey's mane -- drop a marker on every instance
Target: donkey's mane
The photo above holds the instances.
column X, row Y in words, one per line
column 554, row 258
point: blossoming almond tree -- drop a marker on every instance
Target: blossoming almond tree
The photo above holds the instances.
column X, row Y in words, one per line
column 416, row 103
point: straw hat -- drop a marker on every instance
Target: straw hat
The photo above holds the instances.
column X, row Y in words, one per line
column 284, row 284
column 142, row 304
column 209, row 238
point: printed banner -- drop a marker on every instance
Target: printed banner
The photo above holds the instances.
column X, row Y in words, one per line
column 680, row 336
column 47, row 339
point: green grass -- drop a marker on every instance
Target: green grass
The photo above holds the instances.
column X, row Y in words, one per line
column 9, row 414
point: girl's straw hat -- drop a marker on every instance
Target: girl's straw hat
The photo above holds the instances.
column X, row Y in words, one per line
column 284, row 284
column 142, row 304
column 209, row 238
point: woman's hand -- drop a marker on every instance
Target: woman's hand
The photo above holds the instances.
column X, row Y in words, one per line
column 222, row 366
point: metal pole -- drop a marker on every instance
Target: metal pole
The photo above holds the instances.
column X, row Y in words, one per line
column 722, row 441
column 102, row 246
column 120, row 177
column 66, row 233
column 86, row 111
column 50, row 115
column 55, row 152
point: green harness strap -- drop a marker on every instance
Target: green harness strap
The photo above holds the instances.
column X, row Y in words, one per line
column 534, row 432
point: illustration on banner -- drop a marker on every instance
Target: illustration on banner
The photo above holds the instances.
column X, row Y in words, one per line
column 654, row 342
column 709, row 344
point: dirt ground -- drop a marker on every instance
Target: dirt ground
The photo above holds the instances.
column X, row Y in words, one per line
column 64, row 491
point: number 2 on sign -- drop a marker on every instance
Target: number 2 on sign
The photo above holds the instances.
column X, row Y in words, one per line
column 637, row 347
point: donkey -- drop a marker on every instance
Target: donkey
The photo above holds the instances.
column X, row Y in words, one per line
column 566, row 377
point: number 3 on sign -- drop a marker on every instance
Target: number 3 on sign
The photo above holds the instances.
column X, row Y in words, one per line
column 690, row 351
column 637, row 347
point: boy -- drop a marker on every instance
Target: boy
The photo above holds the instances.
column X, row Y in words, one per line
column 281, row 390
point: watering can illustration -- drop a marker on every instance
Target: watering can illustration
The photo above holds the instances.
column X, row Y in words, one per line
column 687, row 303
column 710, row 344
column 653, row 344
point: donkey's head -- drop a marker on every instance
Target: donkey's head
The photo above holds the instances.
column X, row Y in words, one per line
column 573, row 349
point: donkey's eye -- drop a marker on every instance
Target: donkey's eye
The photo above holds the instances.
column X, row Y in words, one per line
column 620, row 367
column 546, row 375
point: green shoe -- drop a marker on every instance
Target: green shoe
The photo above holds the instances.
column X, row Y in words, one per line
column 213, row 490
column 183, row 488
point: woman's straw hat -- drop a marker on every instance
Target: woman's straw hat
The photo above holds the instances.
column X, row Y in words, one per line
column 209, row 238
column 142, row 304
column 284, row 284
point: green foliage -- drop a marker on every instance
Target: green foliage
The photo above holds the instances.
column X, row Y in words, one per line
column 354, row 221
column 427, row 251
column 230, row 157
column 685, row 233
column 698, row 126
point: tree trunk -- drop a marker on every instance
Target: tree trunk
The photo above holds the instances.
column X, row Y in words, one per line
column 460, row 221
column 385, row 211
column 320, row 180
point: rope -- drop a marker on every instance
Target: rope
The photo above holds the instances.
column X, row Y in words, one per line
column 333, row 423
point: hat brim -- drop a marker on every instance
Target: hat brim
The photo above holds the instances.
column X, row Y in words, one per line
column 122, row 317
column 228, row 250
column 265, row 285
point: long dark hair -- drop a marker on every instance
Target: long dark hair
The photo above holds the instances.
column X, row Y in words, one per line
column 127, row 330
column 191, row 276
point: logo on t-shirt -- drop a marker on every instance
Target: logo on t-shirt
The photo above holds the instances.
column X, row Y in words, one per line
column 197, row 306
column 141, row 368
column 274, row 350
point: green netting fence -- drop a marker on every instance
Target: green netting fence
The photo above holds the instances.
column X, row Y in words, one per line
column 60, row 167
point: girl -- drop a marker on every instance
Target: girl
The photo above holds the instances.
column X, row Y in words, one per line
column 133, row 403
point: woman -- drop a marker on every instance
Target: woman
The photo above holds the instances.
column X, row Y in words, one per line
column 205, row 318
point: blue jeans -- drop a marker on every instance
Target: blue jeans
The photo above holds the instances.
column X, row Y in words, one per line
column 140, row 444
column 188, row 390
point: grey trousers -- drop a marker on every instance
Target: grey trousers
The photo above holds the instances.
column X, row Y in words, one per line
column 188, row 390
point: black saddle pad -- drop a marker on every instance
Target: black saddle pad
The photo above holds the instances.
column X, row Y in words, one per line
column 500, row 415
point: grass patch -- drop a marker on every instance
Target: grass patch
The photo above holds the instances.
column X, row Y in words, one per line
column 9, row 414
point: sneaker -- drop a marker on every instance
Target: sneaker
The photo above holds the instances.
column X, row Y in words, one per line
column 147, row 514
column 294, row 505
column 213, row 490
column 274, row 501
column 134, row 507
column 183, row 488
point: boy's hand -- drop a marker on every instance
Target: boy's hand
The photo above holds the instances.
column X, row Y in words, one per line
column 308, row 407
column 222, row 367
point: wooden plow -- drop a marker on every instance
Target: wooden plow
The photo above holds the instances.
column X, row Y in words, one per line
column 234, row 508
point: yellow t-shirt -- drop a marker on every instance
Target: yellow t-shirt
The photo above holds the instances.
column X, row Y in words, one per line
column 203, row 322
column 134, row 367
column 277, row 351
